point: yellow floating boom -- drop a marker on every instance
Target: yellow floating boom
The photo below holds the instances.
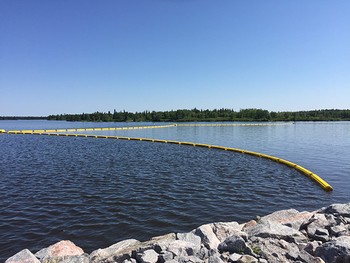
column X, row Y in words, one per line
column 313, row 176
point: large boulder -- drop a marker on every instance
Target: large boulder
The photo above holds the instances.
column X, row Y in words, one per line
column 208, row 237
column 223, row 230
column 233, row 244
column 290, row 217
column 117, row 252
column 60, row 251
column 337, row 250
column 267, row 229
column 24, row 256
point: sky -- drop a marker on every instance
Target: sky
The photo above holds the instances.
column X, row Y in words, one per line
column 75, row 56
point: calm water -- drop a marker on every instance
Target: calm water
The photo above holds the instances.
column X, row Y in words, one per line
column 96, row 192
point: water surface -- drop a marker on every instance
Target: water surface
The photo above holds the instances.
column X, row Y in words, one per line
column 96, row 192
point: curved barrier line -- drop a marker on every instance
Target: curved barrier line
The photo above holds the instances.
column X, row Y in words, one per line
column 325, row 186
column 143, row 127
column 88, row 129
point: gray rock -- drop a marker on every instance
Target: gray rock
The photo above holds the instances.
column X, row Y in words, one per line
column 147, row 256
column 311, row 247
column 274, row 250
column 189, row 237
column 165, row 256
column 117, row 252
column 335, row 250
column 131, row 260
column 24, row 256
column 319, row 260
column 267, row 229
column 232, row 244
column 234, row 257
column 215, row 259
column 59, row 251
column 290, row 217
column 247, row 259
column 159, row 243
column 291, row 249
column 208, row 237
column 182, row 248
column 188, row 259
column 321, row 234
column 203, row 253
column 223, row 230
column 339, row 230
column 76, row 259
column 317, row 221
column 338, row 209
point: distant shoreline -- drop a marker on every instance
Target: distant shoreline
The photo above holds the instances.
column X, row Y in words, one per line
column 195, row 115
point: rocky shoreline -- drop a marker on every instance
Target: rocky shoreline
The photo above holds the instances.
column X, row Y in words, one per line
column 283, row 236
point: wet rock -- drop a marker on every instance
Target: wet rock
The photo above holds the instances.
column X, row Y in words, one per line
column 337, row 250
column 147, row 256
column 60, row 251
column 24, row 256
column 208, row 237
column 117, row 252
column 232, row 244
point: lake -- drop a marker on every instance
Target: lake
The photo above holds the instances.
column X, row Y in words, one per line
column 96, row 192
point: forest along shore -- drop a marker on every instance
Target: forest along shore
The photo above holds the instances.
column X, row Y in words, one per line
column 283, row 236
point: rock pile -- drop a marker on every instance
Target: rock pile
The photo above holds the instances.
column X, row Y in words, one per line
column 283, row 236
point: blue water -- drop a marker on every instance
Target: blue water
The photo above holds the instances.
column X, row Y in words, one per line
column 97, row 192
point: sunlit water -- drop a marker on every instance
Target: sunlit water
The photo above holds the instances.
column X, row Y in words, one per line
column 96, row 192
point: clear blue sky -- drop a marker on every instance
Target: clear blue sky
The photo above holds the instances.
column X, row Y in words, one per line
column 79, row 56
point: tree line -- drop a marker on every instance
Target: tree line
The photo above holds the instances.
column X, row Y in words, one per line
column 185, row 115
